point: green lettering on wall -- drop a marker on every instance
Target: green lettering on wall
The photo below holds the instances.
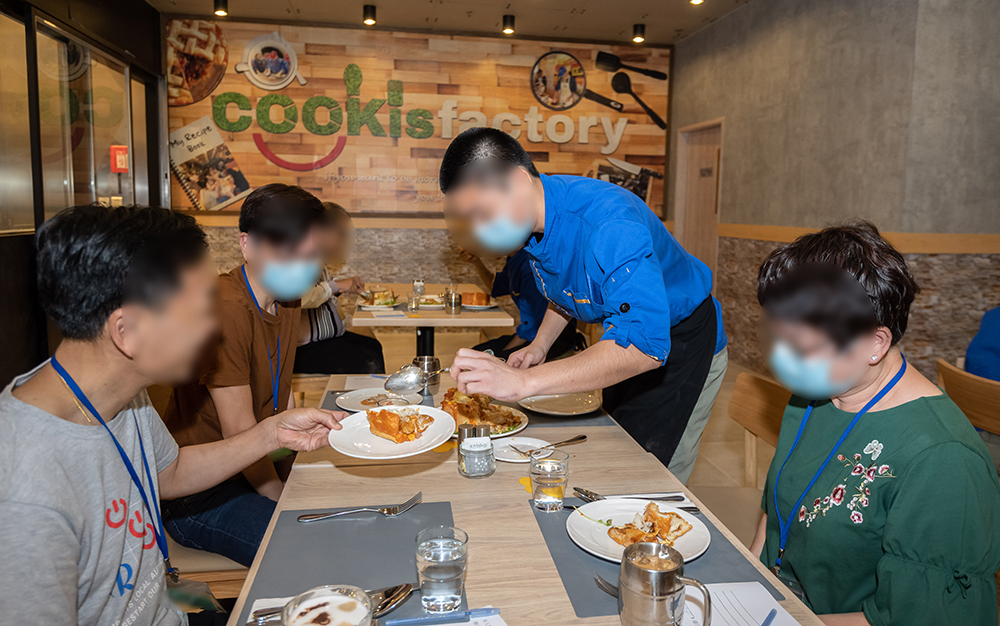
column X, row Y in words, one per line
column 116, row 106
column 421, row 126
column 394, row 89
column 220, row 106
column 264, row 113
column 63, row 115
column 357, row 117
column 309, row 115
column 353, row 78
column 395, row 126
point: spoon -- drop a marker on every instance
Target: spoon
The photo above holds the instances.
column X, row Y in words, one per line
column 621, row 83
column 612, row 63
column 409, row 379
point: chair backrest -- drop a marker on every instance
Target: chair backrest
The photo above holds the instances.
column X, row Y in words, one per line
column 978, row 397
column 757, row 405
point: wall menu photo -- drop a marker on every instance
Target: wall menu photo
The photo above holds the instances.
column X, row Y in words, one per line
column 205, row 168
column 363, row 117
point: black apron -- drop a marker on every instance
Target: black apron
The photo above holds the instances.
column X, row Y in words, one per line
column 654, row 407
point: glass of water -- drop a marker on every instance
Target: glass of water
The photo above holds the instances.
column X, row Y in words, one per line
column 549, row 473
column 412, row 301
column 442, row 556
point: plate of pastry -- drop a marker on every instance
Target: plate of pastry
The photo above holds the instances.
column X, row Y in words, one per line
column 364, row 399
column 479, row 408
column 432, row 301
column 477, row 301
column 604, row 527
column 392, row 432
column 377, row 300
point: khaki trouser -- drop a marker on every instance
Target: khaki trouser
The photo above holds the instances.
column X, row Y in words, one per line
column 684, row 457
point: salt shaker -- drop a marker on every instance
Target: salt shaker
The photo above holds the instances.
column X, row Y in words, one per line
column 475, row 451
column 418, row 286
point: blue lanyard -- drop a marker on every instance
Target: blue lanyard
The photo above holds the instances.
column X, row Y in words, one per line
column 154, row 510
column 275, row 369
column 784, row 526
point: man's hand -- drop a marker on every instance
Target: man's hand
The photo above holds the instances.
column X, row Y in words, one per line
column 526, row 357
column 305, row 429
column 466, row 256
column 478, row 372
column 348, row 286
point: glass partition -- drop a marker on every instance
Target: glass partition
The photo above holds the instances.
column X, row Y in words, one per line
column 17, row 212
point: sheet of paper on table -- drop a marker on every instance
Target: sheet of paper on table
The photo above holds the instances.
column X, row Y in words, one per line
column 734, row 604
column 492, row 620
column 362, row 382
column 381, row 314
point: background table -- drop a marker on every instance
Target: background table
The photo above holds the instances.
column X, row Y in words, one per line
column 426, row 320
column 509, row 563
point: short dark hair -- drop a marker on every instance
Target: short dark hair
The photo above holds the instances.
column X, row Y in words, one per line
column 93, row 259
column 477, row 144
column 335, row 213
column 857, row 247
column 280, row 214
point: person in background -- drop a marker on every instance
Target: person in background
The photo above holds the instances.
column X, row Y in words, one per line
column 600, row 255
column 132, row 290
column 517, row 281
column 246, row 376
column 327, row 347
column 881, row 504
column 982, row 358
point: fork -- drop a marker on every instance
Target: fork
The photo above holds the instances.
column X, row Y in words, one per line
column 388, row 511
column 605, row 586
column 523, row 453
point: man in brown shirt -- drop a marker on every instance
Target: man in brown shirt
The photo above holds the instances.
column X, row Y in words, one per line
column 246, row 378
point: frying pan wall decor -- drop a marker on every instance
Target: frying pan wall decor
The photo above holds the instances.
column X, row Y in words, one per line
column 559, row 82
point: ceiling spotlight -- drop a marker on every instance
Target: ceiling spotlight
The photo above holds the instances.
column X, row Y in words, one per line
column 697, row 1
column 222, row 8
column 639, row 33
column 508, row 24
column 369, row 14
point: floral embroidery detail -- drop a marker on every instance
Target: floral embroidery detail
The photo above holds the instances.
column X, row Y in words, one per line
column 860, row 496
column 874, row 449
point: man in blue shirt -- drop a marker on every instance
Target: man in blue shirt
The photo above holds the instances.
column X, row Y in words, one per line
column 517, row 280
column 599, row 254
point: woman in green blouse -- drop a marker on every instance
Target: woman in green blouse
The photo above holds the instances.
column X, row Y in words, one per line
column 881, row 505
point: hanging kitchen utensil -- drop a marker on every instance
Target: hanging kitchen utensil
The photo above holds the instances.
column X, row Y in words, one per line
column 621, row 83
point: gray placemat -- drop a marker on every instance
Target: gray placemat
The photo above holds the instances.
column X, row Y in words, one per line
column 366, row 549
column 723, row 563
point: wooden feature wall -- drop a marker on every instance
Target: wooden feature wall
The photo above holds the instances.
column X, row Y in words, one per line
column 485, row 75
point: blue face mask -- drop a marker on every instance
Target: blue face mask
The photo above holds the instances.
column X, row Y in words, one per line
column 289, row 280
column 502, row 235
column 806, row 378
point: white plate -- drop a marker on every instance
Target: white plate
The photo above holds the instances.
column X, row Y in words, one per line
column 355, row 439
column 431, row 305
column 593, row 537
column 563, row 404
column 351, row 401
column 480, row 307
column 519, row 428
column 501, row 449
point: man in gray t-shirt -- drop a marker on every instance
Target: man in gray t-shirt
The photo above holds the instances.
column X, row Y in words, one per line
column 132, row 290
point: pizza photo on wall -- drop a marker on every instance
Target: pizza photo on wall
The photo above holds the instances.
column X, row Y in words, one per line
column 197, row 56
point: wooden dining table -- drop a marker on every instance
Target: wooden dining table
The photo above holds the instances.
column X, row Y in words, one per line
column 509, row 566
column 425, row 320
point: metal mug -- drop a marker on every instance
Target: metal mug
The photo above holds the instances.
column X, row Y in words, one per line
column 429, row 364
column 453, row 303
column 651, row 586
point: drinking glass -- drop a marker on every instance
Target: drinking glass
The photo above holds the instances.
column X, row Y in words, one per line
column 442, row 556
column 549, row 473
column 350, row 605
column 412, row 301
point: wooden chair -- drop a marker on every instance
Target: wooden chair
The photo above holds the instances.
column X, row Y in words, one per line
column 757, row 405
column 977, row 397
column 303, row 384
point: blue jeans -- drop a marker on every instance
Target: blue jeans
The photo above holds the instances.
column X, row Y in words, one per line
column 228, row 519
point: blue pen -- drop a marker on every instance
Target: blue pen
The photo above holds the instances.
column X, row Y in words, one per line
column 770, row 618
column 451, row 618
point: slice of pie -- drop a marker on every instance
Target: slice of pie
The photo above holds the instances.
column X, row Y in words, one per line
column 398, row 426
column 651, row 526
column 195, row 49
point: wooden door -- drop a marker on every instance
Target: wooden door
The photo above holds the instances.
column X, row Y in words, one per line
column 697, row 201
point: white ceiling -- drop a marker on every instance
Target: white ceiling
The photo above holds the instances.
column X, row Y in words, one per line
column 667, row 21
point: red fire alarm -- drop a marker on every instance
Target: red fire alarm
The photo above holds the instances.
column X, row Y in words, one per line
column 119, row 159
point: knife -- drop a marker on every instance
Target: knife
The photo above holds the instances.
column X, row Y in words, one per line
column 591, row 496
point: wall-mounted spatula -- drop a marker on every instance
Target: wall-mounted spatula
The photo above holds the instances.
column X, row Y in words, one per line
column 621, row 83
column 611, row 63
